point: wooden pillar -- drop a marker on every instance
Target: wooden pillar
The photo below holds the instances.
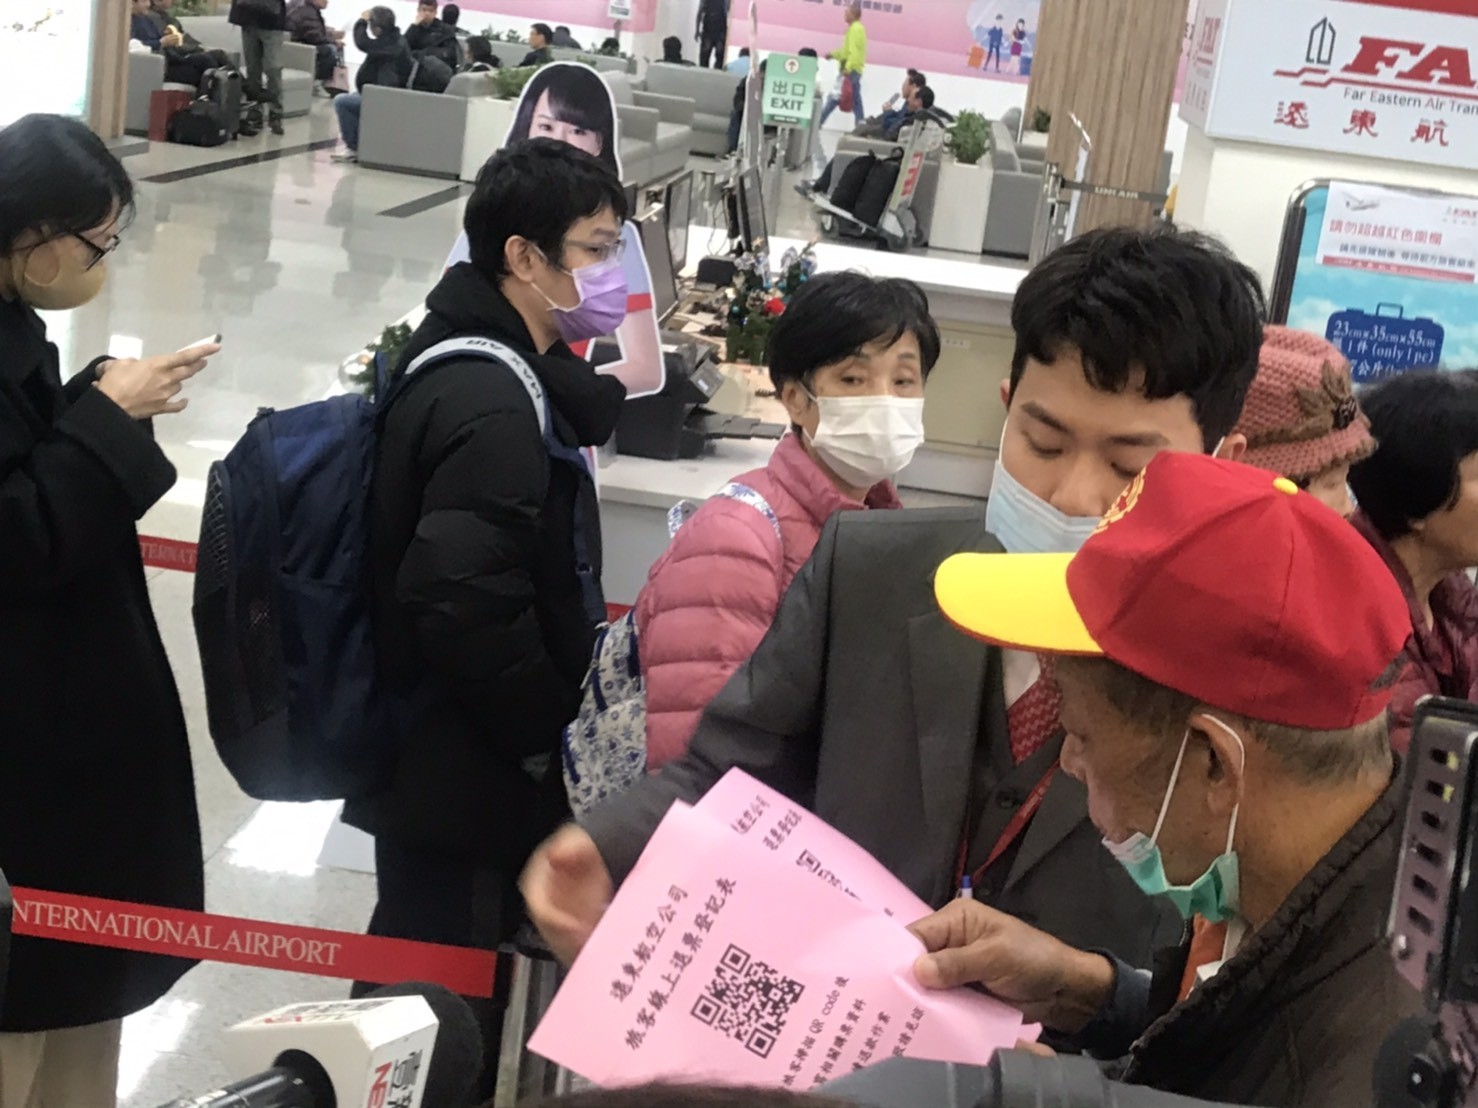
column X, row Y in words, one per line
column 1111, row 63
column 107, row 92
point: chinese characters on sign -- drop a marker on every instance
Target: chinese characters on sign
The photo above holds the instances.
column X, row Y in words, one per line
column 1375, row 80
column 721, row 960
column 1388, row 231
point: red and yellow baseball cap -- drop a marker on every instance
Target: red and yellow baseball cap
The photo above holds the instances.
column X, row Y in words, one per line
column 1215, row 579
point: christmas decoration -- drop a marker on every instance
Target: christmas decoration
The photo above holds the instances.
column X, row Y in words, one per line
column 759, row 298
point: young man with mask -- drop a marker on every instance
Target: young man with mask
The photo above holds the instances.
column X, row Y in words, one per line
column 482, row 549
column 1226, row 649
column 935, row 753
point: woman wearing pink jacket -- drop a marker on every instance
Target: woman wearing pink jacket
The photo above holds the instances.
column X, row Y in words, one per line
column 848, row 359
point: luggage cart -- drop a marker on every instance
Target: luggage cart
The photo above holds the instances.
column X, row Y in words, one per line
column 897, row 228
column 535, row 978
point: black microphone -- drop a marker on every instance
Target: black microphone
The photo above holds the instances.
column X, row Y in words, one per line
column 304, row 1079
column 1014, row 1079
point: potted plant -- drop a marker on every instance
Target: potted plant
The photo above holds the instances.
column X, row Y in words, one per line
column 962, row 200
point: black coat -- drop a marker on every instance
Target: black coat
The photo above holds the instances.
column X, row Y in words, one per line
column 305, row 24
column 387, row 59
column 478, row 610
column 436, row 39
column 99, row 797
column 249, row 13
column 1297, row 1016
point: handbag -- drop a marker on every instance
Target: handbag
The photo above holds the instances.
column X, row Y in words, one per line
column 844, row 94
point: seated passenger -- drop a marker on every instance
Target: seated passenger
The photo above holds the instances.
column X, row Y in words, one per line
column 562, row 37
column 920, row 100
column 739, row 67
column 1225, row 649
column 1417, row 497
column 186, row 62
column 856, row 412
column 896, row 109
column 430, row 37
column 672, row 51
column 936, row 754
column 305, row 24
column 1301, row 418
column 480, row 56
column 387, row 61
column 540, row 36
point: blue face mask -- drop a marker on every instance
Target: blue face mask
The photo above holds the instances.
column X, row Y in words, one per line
column 1216, row 894
column 1027, row 524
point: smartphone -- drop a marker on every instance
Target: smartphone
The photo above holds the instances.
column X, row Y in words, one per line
column 216, row 338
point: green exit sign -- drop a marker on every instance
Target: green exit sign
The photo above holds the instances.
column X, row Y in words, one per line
column 790, row 87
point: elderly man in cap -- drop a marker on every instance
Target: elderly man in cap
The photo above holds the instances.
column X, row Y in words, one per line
column 1226, row 648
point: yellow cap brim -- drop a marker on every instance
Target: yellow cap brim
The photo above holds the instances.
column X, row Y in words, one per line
column 1015, row 600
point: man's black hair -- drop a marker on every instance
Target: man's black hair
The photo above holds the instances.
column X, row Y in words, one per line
column 744, row 51
column 834, row 315
column 926, row 97
column 382, row 19
column 479, row 49
column 672, row 48
column 536, row 189
column 561, row 27
column 1425, row 423
column 1174, row 306
column 917, row 79
column 545, row 30
column 807, row 52
column 451, row 15
column 434, row 5
column 57, row 178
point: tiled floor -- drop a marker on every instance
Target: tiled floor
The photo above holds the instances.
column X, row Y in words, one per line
column 296, row 262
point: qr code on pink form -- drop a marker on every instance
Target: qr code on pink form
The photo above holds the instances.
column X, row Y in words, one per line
column 748, row 1000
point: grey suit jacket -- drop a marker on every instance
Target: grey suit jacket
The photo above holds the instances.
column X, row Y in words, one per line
column 865, row 705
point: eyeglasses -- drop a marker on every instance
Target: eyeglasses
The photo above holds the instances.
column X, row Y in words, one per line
column 600, row 251
column 98, row 252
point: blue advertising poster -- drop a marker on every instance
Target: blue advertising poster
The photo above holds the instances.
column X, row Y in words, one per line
column 1388, row 276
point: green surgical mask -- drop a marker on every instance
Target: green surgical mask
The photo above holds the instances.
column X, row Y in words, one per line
column 1216, row 894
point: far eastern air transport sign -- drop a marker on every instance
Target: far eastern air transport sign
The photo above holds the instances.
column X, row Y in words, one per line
column 790, row 86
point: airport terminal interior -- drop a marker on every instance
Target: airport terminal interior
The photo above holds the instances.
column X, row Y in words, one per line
column 996, row 133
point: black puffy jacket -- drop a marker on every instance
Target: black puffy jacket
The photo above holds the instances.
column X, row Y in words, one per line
column 435, row 39
column 387, row 59
column 265, row 15
column 479, row 614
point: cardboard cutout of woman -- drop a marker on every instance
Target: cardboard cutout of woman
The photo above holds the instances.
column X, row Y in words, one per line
column 569, row 102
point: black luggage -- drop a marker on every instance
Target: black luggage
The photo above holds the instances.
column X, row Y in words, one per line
column 223, row 88
column 430, row 74
column 200, row 124
column 873, row 197
column 846, row 188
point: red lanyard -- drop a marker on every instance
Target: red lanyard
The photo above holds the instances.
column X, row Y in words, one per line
column 1014, row 828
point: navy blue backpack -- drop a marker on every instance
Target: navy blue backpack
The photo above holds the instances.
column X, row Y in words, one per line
column 283, row 595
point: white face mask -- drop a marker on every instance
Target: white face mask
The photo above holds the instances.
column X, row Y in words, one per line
column 867, row 439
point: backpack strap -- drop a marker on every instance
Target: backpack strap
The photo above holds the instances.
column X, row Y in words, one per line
column 683, row 510
column 494, row 351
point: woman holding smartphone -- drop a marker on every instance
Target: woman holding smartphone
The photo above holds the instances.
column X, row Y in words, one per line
column 99, row 796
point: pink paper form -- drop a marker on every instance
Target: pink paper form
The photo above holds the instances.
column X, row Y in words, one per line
column 718, row 962
column 801, row 838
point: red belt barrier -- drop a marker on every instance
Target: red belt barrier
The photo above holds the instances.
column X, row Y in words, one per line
column 248, row 942
column 168, row 553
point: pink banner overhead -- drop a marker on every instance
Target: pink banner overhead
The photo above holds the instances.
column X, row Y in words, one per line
column 981, row 38
column 573, row 13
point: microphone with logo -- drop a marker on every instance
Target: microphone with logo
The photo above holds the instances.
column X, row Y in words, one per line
column 403, row 1046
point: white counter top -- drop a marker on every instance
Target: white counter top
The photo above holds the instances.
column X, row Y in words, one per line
column 959, row 288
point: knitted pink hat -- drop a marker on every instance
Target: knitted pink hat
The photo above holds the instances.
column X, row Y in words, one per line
column 1301, row 416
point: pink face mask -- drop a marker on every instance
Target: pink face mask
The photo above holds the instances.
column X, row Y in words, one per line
column 602, row 306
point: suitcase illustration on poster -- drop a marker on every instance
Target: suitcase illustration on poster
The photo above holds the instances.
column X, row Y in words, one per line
column 1384, row 343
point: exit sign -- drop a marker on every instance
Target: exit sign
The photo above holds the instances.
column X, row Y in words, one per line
column 790, row 88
